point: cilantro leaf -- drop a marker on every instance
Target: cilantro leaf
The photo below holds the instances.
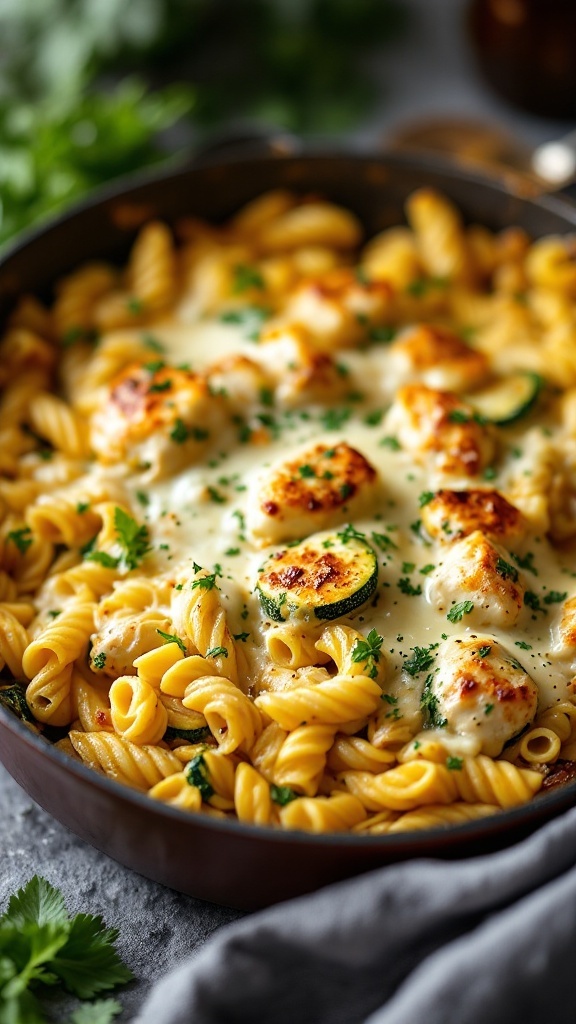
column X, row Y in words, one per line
column 102, row 1011
column 102, row 558
column 36, row 903
column 134, row 539
column 88, row 963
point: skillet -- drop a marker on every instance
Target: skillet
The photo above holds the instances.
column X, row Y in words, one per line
column 223, row 861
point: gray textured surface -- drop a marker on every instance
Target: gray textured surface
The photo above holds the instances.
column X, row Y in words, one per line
column 157, row 926
column 428, row 73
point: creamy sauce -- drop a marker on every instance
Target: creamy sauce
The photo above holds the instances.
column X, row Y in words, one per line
column 199, row 516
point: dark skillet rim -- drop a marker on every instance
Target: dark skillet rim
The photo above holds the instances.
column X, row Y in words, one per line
column 122, row 187
column 409, row 842
column 533, row 813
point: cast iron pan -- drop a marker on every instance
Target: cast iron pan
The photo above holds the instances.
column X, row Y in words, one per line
column 224, row 861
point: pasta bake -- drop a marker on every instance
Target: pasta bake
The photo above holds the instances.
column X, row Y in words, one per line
column 288, row 517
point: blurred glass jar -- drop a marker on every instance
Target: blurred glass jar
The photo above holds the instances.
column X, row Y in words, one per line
column 526, row 50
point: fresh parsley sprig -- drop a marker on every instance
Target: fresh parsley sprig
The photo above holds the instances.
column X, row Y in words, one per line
column 369, row 652
column 41, row 945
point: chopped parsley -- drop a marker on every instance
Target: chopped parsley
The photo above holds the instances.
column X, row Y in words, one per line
column 217, row 652
column 160, row 385
column 307, row 472
column 350, row 533
column 407, row 587
column 392, row 443
column 426, row 569
column 454, row 764
column 484, row 651
column 171, row 638
column 429, row 707
column 134, row 539
column 102, row 558
column 555, row 597
column 215, row 496
column 374, row 418
column 207, row 582
column 526, row 562
column 459, row 610
column 152, row 343
column 384, row 542
column 143, row 498
column 505, row 570
column 135, row 305
column 523, row 645
column 99, row 660
column 369, row 652
column 425, row 498
column 22, row 539
column 197, row 774
column 488, row 709
column 82, row 507
column 246, row 277
column 241, row 636
column 334, row 419
column 421, row 660
column 383, row 334
column 250, row 318
column 408, row 566
column 282, row 795
column 531, row 600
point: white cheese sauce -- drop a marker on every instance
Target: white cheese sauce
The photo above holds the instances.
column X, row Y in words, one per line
column 199, row 516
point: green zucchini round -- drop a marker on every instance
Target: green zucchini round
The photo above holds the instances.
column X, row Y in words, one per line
column 509, row 399
column 323, row 577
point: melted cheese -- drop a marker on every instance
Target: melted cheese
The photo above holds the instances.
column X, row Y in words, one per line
column 199, row 514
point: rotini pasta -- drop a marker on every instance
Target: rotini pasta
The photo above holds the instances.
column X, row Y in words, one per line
column 279, row 514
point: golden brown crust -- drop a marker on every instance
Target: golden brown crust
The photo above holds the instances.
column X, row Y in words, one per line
column 451, row 515
column 430, row 421
column 320, row 480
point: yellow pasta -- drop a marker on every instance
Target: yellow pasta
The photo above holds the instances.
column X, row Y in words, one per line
column 251, row 796
column 139, row 766
column 232, row 718
column 48, row 662
column 333, row 702
column 319, row 581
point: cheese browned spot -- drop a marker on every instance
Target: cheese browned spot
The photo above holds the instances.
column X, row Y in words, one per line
column 320, row 487
column 438, row 425
column 451, row 515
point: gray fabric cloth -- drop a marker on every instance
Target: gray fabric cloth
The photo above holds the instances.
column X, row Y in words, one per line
column 489, row 940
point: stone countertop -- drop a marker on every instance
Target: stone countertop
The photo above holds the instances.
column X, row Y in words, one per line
column 428, row 74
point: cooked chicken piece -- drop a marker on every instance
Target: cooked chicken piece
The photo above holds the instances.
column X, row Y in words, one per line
column 337, row 307
column 451, row 515
column 480, row 690
column 476, row 573
column 318, row 488
column 302, row 373
column 155, row 416
column 437, row 358
column 437, row 425
column 239, row 380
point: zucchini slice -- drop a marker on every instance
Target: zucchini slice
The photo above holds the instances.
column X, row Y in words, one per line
column 13, row 697
column 323, row 577
column 509, row 399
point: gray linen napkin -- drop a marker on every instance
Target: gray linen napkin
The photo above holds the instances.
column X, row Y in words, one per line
column 489, row 940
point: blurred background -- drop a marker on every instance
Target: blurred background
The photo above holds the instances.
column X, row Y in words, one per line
column 91, row 90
